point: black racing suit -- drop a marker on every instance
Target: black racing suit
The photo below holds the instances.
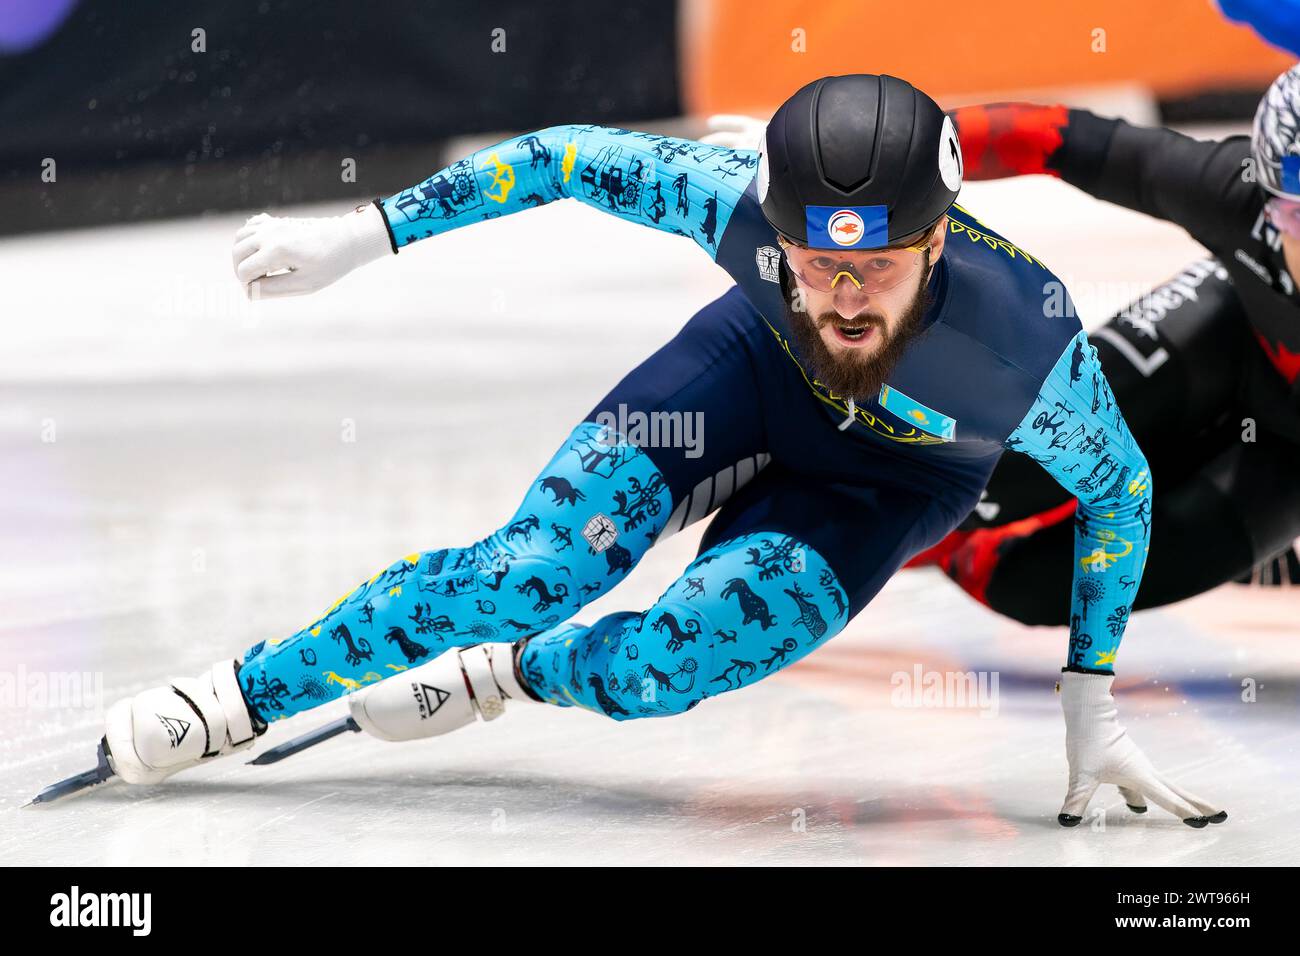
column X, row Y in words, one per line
column 1206, row 368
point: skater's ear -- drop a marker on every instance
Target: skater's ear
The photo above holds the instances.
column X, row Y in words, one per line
column 938, row 237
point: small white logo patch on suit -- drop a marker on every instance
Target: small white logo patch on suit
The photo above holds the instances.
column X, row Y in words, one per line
column 599, row 532
column 768, row 259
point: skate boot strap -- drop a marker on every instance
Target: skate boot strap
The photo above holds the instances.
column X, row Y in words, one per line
column 225, row 685
column 476, row 664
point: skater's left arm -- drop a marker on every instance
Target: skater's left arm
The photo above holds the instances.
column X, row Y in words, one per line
column 1075, row 430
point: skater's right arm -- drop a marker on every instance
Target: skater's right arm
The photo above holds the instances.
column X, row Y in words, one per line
column 674, row 185
column 1201, row 186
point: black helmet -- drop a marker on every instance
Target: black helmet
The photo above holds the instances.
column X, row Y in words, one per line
column 858, row 161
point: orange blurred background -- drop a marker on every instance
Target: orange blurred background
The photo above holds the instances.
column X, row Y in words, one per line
column 744, row 55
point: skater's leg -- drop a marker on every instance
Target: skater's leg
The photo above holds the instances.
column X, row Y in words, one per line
column 525, row 577
column 719, row 627
column 783, row 567
column 630, row 472
column 783, row 570
column 608, row 494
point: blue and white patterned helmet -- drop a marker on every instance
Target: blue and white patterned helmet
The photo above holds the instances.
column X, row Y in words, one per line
column 1275, row 142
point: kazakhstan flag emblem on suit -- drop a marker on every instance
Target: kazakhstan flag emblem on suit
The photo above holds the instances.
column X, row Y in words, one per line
column 917, row 415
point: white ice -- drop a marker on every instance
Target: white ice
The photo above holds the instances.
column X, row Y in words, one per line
column 176, row 487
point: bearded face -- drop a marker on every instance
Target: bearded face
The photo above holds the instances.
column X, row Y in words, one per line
column 853, row 342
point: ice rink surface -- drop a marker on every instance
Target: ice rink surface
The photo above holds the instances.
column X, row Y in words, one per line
column 177, row 486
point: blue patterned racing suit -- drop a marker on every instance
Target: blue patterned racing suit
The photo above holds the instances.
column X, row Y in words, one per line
column 809, row 519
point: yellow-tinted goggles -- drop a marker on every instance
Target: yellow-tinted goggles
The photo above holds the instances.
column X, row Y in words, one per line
column 870, row 270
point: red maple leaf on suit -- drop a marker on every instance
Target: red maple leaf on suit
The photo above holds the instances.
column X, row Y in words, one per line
column 1283, row 359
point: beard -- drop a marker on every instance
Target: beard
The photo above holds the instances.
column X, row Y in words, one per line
column 857, row 373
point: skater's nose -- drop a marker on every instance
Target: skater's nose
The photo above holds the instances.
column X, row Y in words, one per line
column 850, row 302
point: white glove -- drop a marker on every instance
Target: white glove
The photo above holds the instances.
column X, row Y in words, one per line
column 735, row 132
column 316, row 252
column 1100, row 751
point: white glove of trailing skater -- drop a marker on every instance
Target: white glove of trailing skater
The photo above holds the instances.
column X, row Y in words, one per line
column 165, row 729
column 734, row 131
column 316, row 252
column 1100, row 751
column 441, row 696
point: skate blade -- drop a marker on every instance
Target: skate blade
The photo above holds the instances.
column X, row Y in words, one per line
column 102, row 773
column 310, row 739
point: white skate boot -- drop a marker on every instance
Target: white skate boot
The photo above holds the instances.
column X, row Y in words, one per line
column 461, row 686
column 159, row 731
column 443, row 695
